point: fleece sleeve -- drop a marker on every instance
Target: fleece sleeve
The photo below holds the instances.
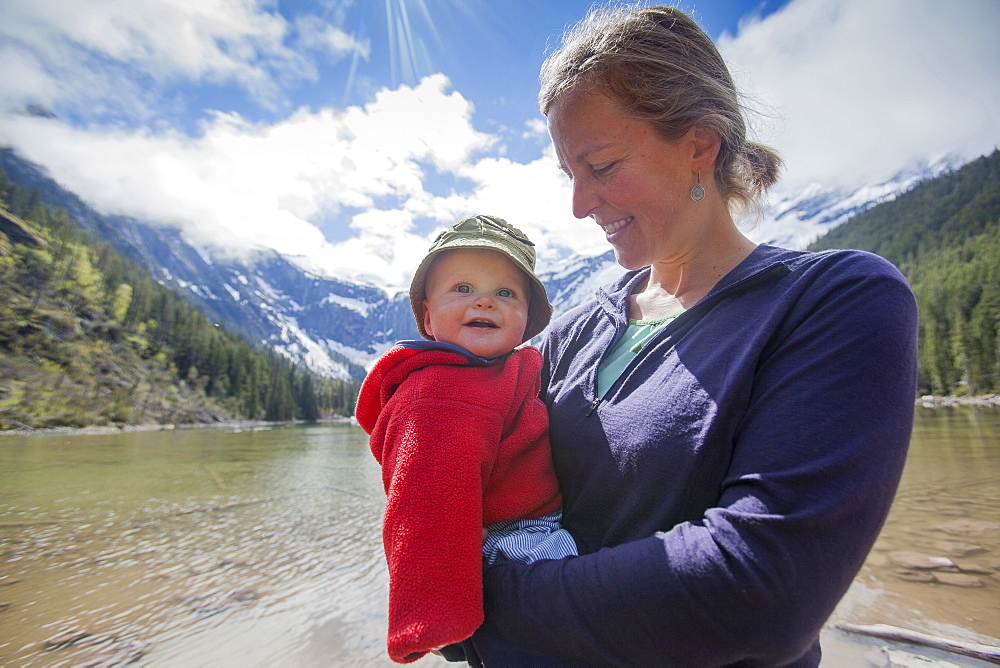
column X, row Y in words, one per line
column 433, row 523
column 814, row 468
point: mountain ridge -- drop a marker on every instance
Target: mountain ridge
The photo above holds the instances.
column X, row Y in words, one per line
column 337, row 327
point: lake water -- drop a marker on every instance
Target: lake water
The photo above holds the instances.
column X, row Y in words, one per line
column 261, row 547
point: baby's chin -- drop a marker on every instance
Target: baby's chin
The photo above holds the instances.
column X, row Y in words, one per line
column 488, row 351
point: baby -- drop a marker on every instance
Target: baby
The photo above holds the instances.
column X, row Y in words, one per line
column 456, row 423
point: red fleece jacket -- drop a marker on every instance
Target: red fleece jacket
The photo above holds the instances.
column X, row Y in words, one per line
column 462, row 445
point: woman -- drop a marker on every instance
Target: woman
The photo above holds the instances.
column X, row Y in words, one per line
column 728, row 421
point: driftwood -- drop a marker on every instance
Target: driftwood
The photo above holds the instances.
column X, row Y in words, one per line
column 988, row 653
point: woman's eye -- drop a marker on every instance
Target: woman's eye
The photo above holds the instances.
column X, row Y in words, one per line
column 504, row 292
column 463, row 288
column 601, row 171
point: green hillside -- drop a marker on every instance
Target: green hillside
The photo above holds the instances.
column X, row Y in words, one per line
column 89, row 338
column 944, row 235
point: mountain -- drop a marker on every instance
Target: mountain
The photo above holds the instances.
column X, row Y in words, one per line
column 337, row 327
column 794, row 221
column 332, row 326
column 88, row 338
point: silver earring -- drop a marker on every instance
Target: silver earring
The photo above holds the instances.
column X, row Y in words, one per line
column 698, row 193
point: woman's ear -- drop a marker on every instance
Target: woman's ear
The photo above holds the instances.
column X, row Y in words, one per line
column 707, row 143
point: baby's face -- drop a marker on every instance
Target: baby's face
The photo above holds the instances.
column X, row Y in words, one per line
column 476, row 299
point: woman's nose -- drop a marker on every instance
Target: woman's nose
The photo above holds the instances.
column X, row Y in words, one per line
column 585, row 198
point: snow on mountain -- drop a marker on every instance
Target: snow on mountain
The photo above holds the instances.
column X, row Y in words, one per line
column 362, row 307
column 575, row 280
column 796, row 220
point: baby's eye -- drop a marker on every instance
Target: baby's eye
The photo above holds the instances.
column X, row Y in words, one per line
column 504, row 292
column 463, row 288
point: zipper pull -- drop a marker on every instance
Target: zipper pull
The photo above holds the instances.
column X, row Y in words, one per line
column 593, row 407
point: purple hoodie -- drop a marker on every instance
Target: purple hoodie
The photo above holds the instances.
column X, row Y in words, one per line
column 726, row 490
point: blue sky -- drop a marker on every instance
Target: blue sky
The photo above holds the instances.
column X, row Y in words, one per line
column 346, row 133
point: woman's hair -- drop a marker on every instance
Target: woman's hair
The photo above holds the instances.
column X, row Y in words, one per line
column 659, row 64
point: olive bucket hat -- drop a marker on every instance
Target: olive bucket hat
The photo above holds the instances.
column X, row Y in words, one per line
column 495, row 234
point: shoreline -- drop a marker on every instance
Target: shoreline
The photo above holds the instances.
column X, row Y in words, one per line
column 925, row 401
column 129, row 428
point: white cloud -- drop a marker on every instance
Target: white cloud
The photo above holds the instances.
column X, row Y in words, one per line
column 121, row 42
column 317, row 33
column 421, row 123
column 859, row 89
column 534, row 197
column 24, row 77
column 241, row 186
column 535, row 127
